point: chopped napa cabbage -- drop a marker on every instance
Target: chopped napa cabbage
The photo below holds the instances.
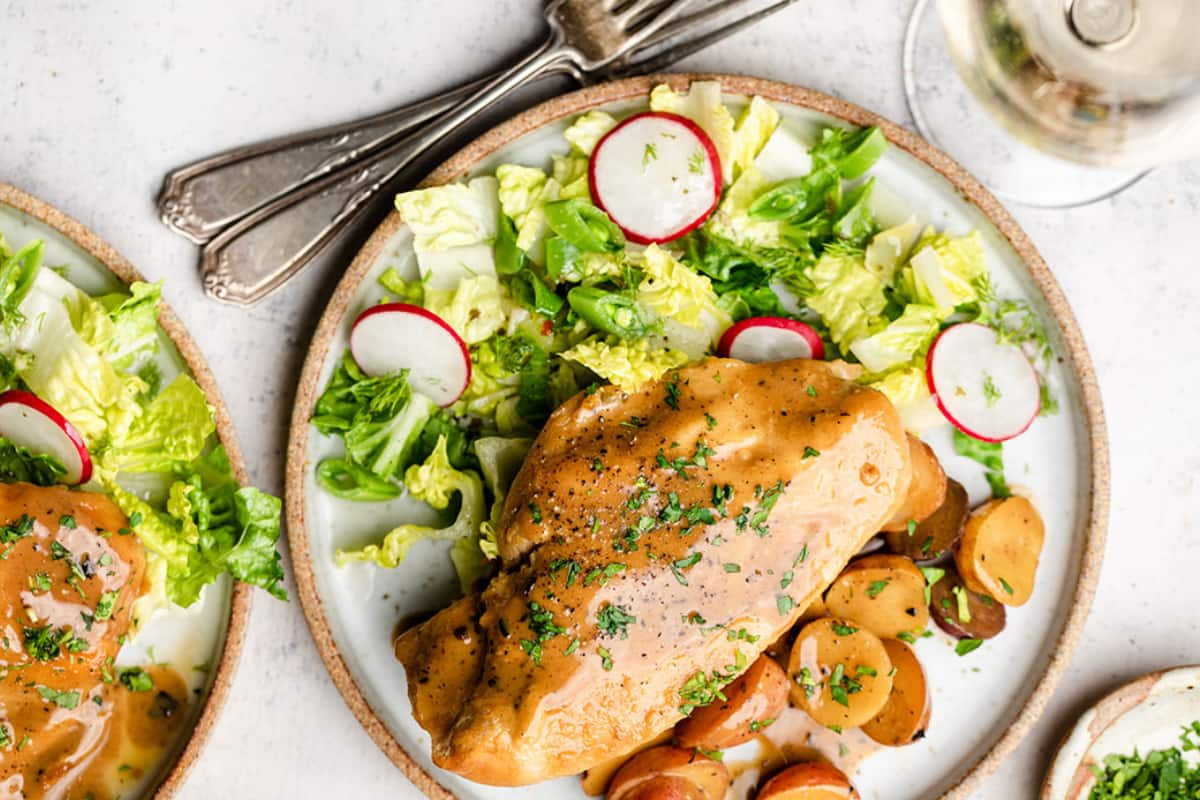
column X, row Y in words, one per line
column 701, row 104
column 433, row 482
column 890, row 248
column 443, row 270
column 784, row 156
column 629, row 364
column 754, row 129
column 903, row 339
column 454, row 215
column 848, row 297
column 732, row 219
column 593, row 267
column 674, row 291
column 524, row 192
column 500, row 459
column 909, row 392
column 492, row 381
column 403, row 291
column 587, row 130
column 476, row 309
column 944, row 271
column 571, row 172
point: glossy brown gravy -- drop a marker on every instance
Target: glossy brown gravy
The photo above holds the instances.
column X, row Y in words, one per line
column 70, row 570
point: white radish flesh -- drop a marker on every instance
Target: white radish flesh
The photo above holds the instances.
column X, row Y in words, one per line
column 394, row 336
column 985, row 387
column 34, row 424
column 761, row 339
column 657, row 175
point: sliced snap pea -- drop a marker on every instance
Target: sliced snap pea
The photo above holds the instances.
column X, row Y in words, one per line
column 533, row 293
column 510, row 259
column 855, row 221
column 349, row 481
column 561, row 256
column 862, row 152
column 608, row 311
column 584, row 225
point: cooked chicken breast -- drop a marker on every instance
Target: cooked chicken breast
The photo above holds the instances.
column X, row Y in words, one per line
column 70, row 574
column 653, row 545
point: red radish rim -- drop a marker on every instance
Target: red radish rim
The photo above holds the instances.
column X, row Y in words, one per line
column 714, row 160
column 803, row 329
column 50, row 412
column 427, row 314
column 946, row 412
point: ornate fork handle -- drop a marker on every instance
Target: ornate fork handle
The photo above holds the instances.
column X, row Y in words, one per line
column 254, row 256
column 201, row 198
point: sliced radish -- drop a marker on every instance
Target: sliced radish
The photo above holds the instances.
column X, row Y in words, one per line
column 32, row 423
column 760, row 339
column 393, row 336
column 985, row 387
column 657, row 175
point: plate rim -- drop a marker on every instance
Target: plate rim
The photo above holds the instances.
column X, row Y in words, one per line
column 1097, row 501
column 1109, row 710
column 241, row 596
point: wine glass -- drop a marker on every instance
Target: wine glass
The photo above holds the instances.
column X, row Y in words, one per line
column 1083, row 96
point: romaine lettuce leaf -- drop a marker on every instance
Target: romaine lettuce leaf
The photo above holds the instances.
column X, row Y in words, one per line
column 433, row 482
column 169, row 433
column 454, row 215
column 848, row 297
column 628, row 364
column 905, row 337
column 123, row 328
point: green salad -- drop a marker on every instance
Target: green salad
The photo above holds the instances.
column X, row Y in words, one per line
column 549, row 294
column 89, row 370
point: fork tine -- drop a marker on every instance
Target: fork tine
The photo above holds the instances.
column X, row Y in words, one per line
column 634, row 11
column 664, row 14
column 689, row 47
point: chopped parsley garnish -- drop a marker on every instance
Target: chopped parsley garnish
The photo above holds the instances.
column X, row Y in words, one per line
column 932, row 576
column 5, row 738
column 807, row 682
column 965, row 646
column 812, row 390
column 24, row 741
column 843, row 630
column 860, row 671
column 710, row 420
column 16, row 530
column 541, row 624
column 649, row 153
column 911, row 526
column 1159, row 775
column 67, row 521
column 606, row 662
column 47, row 643
column 990, row 393
column 696, row 162
column 597, row 466
column 67, row 700
column 136, row 679
column 757, row 725
column 784, row 603
column 613, row 620
column 1004, row 584
column 877, row 587
column 677, row 567
column 40, row 582
column 786, row 580
column 635, row 422
column 570, row 565
column 733, row 567
column 680, row 464
column 603, row 574
column 702, row 689
column 572, row 647
column 800, row 559
column 672, row 399
column 106, row 605
column 626, row 542
column 905, row 636
column 810, row 452
column 135, row 519
column 964, row 609
column 535, row 513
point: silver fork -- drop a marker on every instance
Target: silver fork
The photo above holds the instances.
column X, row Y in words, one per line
column 199, row 199
column 257, row 254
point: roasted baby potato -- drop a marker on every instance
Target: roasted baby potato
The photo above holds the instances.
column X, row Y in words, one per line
column 811, row 780
column 905, row 717
column 669, row 773
column 928, row 488
column 938, row 533
column 883, row 593
column 840, row 673
column 1000, row 548
column 962, row 613
column 753, row 701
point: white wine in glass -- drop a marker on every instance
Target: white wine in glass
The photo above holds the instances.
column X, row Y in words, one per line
column 1083, row 96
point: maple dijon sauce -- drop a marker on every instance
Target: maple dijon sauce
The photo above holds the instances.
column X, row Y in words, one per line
column 72, row 723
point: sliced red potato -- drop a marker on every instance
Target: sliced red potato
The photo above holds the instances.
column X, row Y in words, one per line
column 927, row 491
column 393, row 336
column 999, row 552
column 985, row 387
column 760, row 339
column 906, row 716
column 960, row 612
column 810, row 780
column 752, row 702
column 936, row 534
column 669, row 773
column 657, row 175
column 883, row 593
column 840, row 673
column 34, row 424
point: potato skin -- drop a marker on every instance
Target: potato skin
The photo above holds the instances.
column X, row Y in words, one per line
column 986, row 616
column 883, row 593
column 906, row 716
column 999, row 552
column 810, row 780
column 669, row 773
column 928, row 489
column 828, row 648
column 753, row 701
column 937, row 534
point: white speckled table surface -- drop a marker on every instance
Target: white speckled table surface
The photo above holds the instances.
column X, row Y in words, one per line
column 98, row 100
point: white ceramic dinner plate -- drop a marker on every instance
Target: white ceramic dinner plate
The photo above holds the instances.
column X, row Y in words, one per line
column 201, row 642
column 983, row 703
